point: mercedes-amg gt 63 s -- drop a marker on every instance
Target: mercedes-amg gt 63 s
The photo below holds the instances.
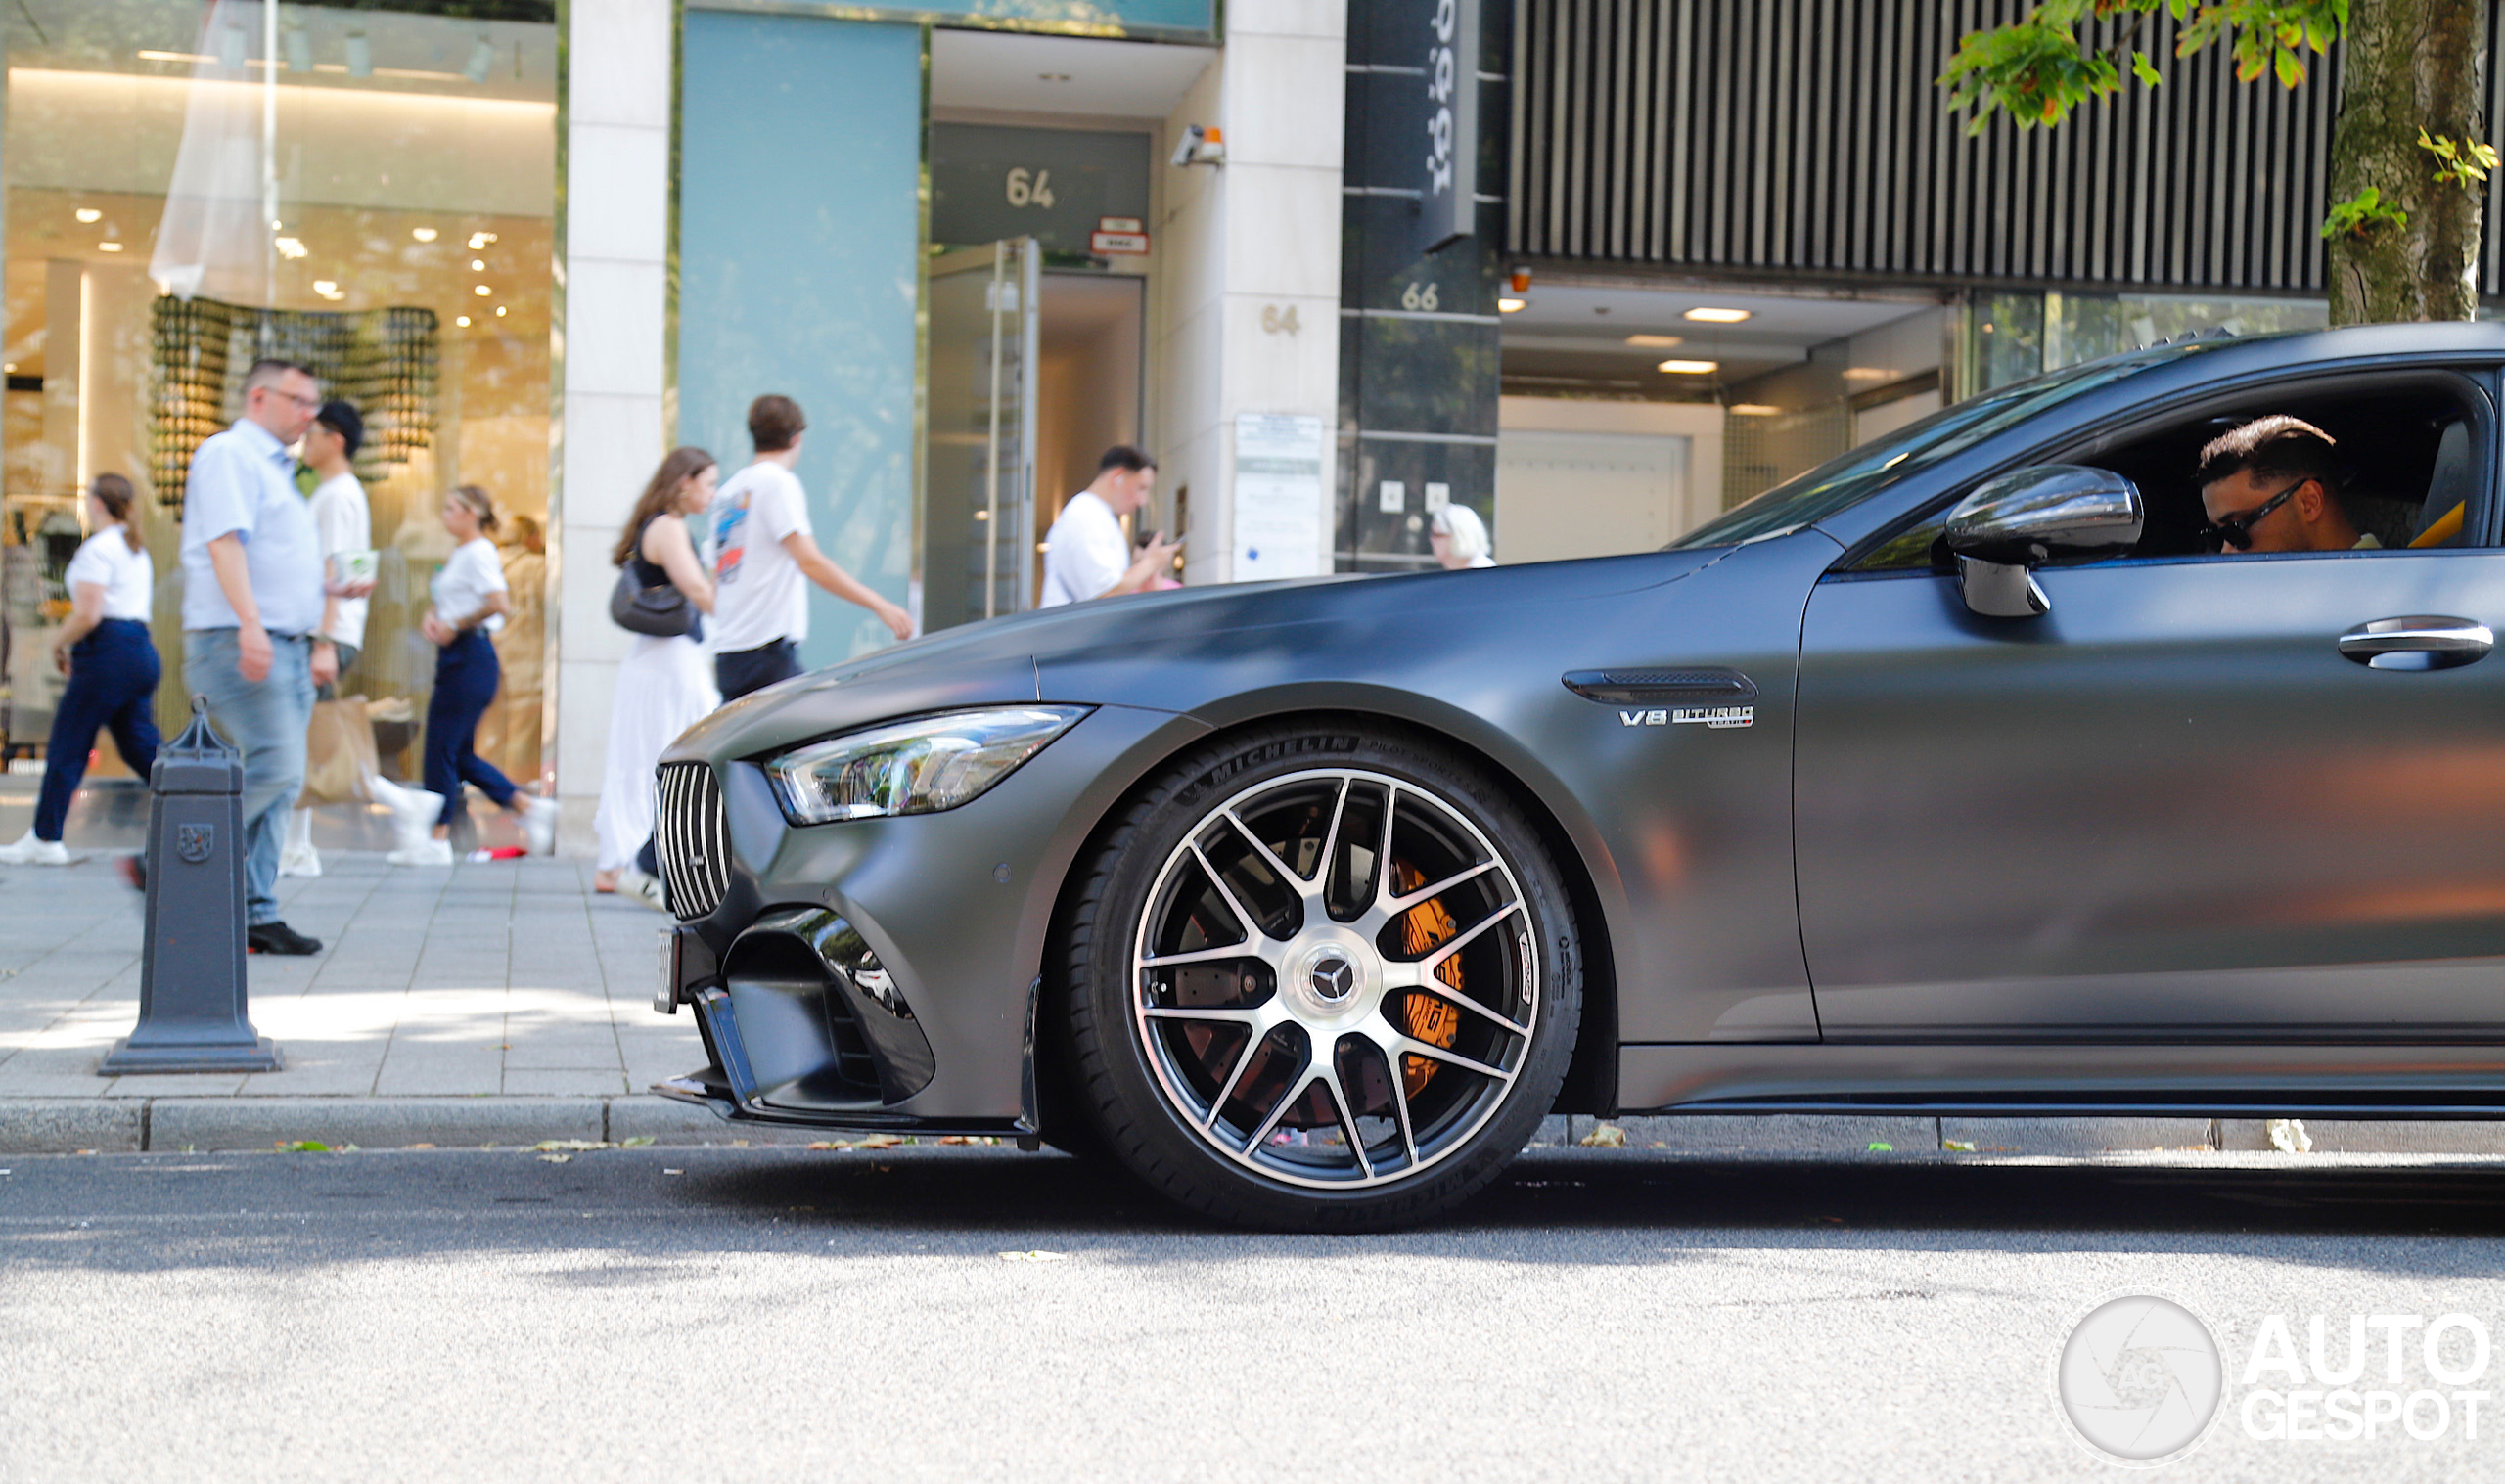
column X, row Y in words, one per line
column 2016, row 763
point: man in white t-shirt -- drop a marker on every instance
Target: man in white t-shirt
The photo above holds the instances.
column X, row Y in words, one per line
column 346, row 524
column 764, row 555
column 1084, row 554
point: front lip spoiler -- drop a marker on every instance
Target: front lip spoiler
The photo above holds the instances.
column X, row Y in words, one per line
column 696, row 1088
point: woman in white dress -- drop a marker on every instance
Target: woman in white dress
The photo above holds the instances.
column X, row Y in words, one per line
column 665, row 686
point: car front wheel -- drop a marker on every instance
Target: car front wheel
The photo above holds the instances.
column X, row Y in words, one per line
column 1320, row 979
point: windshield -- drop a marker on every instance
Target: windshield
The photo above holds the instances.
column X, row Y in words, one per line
column 1846, row 481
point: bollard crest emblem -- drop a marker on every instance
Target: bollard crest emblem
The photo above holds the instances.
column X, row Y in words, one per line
column 193, row 842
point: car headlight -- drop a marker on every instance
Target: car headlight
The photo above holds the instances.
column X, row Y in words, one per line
column 913, row 767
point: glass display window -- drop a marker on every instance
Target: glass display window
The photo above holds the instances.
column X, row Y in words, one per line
column 369, row 188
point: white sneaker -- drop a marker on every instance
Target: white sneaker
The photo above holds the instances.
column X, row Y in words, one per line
column 539, row 826
column 300, row 858
column 430, row 852
column 414, row 812
column 29, row 851
column 643, row 888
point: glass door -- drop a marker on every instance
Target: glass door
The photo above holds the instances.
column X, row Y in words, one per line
column 979, row 467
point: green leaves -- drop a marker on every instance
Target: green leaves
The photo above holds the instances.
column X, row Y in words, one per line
column 2363, row 214
column 2462, row 163
column 2039, row 69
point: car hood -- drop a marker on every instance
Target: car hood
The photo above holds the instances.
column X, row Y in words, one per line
column 1171, row 651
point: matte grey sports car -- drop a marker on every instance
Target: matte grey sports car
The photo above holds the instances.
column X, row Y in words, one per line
column 1978, row 772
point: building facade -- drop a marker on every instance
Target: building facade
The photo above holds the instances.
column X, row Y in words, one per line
column 1594, row 268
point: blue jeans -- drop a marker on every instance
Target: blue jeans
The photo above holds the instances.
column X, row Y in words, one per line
column 112, row 683
column 266, row 721
column 466, row 677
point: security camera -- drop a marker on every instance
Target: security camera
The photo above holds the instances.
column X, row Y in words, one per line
column 1200, row 145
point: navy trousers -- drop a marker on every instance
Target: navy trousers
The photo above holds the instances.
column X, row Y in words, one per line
column 465, row 678
column 741, row 671
column 113, row 684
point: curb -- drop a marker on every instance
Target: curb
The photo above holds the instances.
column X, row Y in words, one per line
column 133, row 1125
column 92, row 1125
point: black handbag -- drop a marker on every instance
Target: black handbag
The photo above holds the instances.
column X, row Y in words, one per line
column 662, row 611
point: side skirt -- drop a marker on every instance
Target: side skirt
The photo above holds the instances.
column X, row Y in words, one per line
column 2358, row 1081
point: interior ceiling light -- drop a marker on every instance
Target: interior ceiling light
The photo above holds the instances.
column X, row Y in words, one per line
column 480, row 240
column 463, row 321
column 1510, row 305
column 109, row 247
column 1754, row 409
column 482, row 290
column 1655, row 341
column 89, row 215
column 290, row 247
column 1867, row 372
column 1691, row 367
column 1713, row 316
column 500, row 311
column 477, row 266
column 423, row 233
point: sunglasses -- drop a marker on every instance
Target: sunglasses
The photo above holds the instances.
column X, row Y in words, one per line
column 2237, row 530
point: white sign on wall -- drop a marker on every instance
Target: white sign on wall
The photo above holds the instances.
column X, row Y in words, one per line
column 1278, row 496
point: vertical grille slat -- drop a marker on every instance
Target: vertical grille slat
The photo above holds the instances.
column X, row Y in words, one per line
column 691, row 835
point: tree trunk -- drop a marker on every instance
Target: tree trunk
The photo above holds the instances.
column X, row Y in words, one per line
column 2408, row 65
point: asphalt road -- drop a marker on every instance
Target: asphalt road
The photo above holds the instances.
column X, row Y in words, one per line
column 659, row 1313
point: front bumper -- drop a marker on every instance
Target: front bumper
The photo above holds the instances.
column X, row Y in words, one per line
column 883, row 973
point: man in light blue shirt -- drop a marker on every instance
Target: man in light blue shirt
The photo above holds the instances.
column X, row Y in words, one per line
column 252, row 591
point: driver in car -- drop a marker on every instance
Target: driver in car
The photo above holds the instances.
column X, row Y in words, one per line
column 2273, row 485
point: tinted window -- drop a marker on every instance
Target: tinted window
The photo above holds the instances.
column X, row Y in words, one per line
column 1843, row 482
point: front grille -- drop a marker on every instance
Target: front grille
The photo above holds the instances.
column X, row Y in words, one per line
column 691, row 837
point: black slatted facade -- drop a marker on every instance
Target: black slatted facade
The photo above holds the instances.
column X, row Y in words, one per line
column 1808, row 139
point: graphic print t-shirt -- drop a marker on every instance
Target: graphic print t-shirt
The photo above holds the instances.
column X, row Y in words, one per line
column 760, row 593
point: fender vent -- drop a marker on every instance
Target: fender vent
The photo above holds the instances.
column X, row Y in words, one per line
column 1704, row 686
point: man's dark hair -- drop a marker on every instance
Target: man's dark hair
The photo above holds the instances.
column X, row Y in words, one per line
column 341, row 418
column 774, row 423
column 2277, row 447
column 1124, row 457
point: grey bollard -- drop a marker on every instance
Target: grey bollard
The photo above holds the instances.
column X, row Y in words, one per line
column 192, row 1012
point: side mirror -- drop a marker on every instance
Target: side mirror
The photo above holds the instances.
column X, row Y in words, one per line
column 2032, row 517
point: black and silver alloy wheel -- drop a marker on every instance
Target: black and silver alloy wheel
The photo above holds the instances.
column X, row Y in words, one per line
column 1344, row 991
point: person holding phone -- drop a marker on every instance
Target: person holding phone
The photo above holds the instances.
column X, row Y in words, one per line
column 1085, row 555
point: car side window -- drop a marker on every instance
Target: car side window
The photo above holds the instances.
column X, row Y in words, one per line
column 2408, row 452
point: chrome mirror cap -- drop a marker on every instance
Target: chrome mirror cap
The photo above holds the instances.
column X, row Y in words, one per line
column 2028, row 518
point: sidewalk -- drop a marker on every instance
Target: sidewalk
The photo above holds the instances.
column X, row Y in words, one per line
column 506, row 1003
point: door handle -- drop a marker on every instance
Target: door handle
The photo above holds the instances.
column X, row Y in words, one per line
column 2423, row 642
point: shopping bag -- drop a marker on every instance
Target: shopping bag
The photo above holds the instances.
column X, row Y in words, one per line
column 338, row 753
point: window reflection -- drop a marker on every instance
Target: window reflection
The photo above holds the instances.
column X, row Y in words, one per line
column 187, row 185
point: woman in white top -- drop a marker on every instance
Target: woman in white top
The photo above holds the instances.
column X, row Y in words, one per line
column 665, row 685
column 1459, row 538
column 470, row 603
column 105, row 650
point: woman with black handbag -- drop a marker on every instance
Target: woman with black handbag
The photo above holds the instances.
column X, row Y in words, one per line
column 665, row 684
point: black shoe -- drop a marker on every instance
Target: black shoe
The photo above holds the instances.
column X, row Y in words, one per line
column 278, row 937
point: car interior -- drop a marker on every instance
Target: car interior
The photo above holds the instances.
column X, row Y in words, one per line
column 2405, row 445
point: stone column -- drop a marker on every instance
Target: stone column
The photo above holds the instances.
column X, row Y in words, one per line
column 611, row 359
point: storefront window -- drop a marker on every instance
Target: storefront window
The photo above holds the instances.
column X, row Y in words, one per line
column 368, row 189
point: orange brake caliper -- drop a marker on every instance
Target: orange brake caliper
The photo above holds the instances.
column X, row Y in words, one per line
column 1423, row 929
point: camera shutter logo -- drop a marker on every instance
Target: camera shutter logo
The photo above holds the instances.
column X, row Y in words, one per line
column 2140, row 1379
column 193, row 842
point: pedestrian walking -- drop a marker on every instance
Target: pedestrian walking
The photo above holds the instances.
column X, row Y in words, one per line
column 664, row 684
column 111, row 664
column 764, row 555
column 254, row 594
column 1085, row 555
column 345, row 522
column 470, row 605
column 1459, row 538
